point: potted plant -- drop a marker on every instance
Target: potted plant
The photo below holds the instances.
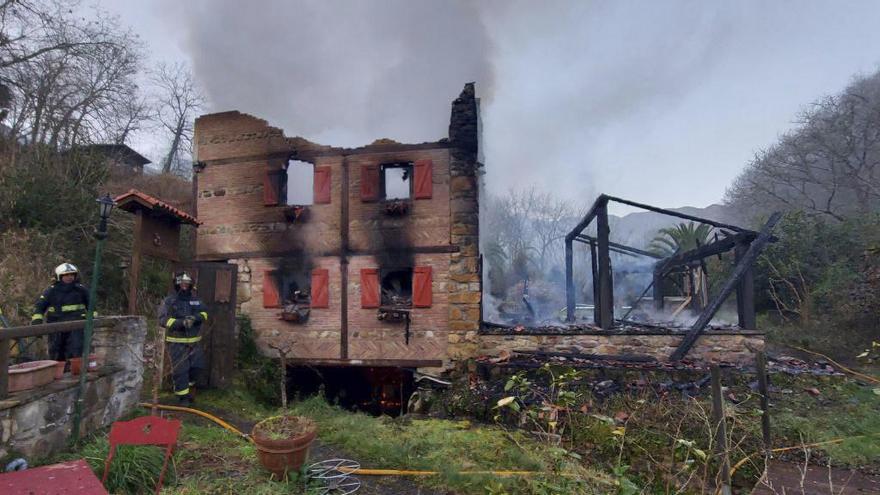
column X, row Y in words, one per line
column 283, row 441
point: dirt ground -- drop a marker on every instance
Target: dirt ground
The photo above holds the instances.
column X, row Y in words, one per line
column 786, row 477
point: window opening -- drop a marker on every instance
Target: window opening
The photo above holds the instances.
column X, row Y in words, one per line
column 397, row 287
column 397, row 181
column 295, row 291
column 300, row 183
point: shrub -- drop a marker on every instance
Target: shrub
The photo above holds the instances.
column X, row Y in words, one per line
column 135, row 468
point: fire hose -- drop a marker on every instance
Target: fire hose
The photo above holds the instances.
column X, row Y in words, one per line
column 361, row 471
column 501, row 473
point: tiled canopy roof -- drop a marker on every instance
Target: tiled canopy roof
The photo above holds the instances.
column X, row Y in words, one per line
column 134, row 200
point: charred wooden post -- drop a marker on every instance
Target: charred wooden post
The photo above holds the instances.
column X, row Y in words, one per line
column 606, row 285
column 658, row 290
column 594, row 266
column 761, row 366
column 745, row 292
column 569, row 280
column 720, row 429
column 744, row 265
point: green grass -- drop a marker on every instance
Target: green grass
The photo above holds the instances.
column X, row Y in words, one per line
column 227, row 465
column 843, row 409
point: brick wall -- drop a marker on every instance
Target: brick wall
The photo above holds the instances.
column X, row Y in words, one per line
column 370, row 338
column 427, row 223
column 318, row 338
column 237, row 150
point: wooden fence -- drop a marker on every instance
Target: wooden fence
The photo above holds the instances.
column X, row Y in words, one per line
column 8, row 334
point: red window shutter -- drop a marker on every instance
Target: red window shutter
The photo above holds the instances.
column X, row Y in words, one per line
column 424, row 180
column 422, row 293
column 369, row 182
column 322, row 185
column 369, row 288
column 271, row 298
column 271, row 187
column 320, row 288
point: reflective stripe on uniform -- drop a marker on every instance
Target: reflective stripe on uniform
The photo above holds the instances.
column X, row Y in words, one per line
column 183, row 340
column 72, row 307
column 36, row 317
column 182, row 392
column 169, row 322
column 204, row 315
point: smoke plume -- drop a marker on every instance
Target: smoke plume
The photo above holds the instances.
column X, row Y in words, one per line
column 341, row 73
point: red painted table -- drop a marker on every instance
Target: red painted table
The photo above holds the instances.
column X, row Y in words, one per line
column 66, row 478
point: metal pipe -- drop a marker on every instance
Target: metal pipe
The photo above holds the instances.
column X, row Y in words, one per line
column 100, row 235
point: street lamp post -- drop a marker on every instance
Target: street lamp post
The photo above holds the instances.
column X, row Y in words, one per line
column 106, row 205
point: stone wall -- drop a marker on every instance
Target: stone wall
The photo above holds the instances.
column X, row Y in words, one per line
column 735, row 347
column 465, row 290
column 38, row 422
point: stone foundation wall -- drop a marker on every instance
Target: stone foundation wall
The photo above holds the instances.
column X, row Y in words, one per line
column 38, row 422
column 728, row 347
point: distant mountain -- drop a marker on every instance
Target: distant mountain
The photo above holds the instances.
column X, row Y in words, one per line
column 638, row 228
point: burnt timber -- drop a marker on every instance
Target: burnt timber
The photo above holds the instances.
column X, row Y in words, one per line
column 747, row 245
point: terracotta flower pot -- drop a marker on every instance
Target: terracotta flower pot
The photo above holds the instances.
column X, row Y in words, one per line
column 59, row 369
column 34, row 374
column 75, row 364
column 283, row 455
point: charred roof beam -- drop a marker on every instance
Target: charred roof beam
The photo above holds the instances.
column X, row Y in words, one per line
column 618, row 248
column 713, row 248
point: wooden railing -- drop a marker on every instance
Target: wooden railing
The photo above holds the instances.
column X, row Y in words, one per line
column 8, row 334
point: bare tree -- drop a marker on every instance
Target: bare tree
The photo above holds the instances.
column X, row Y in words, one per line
column 529, row 226
column 179, row 100
column 829, row 166
column 81, row 90
column 32, row 28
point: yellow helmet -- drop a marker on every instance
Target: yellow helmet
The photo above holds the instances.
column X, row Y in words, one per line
column 65, row 269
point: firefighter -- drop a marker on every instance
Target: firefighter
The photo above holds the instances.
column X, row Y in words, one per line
column 182, row 315
column 65, row 300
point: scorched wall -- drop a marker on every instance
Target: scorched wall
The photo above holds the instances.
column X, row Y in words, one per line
column 344, row 244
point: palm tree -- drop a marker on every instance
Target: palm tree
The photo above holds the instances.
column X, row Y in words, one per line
column 680, row 238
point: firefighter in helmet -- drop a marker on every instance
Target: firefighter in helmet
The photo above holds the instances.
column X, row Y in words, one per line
column 65, row 300
column 182, row 315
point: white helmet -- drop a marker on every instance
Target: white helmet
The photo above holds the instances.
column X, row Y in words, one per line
column 182, row 278
column 65, row 269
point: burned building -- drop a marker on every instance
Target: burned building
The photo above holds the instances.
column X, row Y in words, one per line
column 370, row 256
column 365, row 256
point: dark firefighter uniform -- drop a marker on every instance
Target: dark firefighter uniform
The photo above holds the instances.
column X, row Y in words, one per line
column 182, row 315
column 63, row 302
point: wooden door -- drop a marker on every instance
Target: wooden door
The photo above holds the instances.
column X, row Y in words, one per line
column 215, row 286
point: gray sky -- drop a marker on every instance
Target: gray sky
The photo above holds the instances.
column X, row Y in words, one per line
column 662, row 102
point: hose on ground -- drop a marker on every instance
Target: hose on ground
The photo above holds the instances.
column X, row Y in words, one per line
column 360, row 471
column 197, row 412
